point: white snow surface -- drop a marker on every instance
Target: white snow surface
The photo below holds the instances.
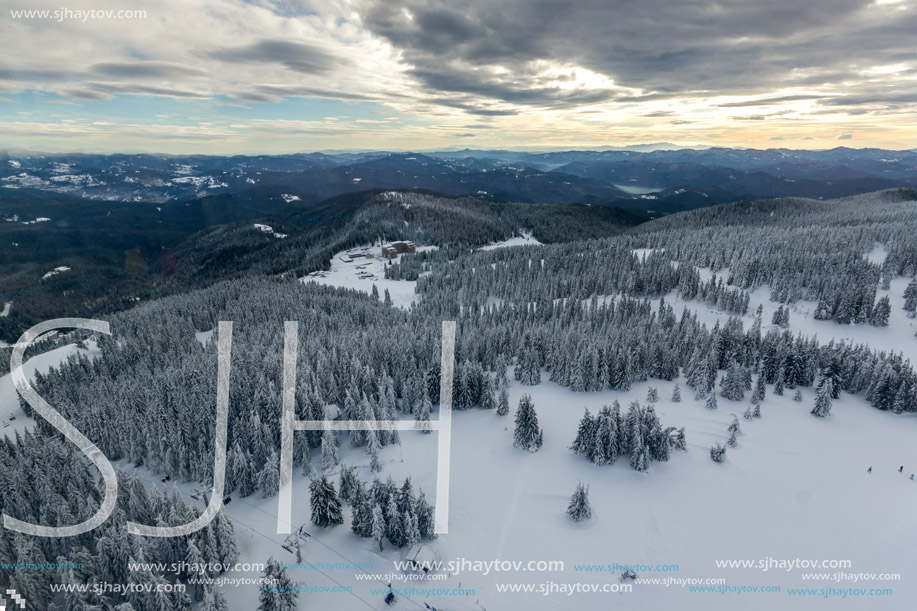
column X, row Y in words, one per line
column 12, row 418
column 55, row 271
column 524, row 238
column 269, row 230
column 353, row 270
column 795, row 487
column 6, row 308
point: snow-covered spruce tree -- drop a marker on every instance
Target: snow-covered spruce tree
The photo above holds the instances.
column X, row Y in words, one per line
column 676, row 394
column 823, row 394
column 711, row 401
column 422, row 411
column 360, row 511
column 213, row 601
column 797, row 396
column 527, row 434
column 326, row 506
column 639, row 454
column 780, row 382
column 733, row 386
column 734, row 431
column 677, row 439
column 269, row 476
column 488, row 396
column 529, row 369
column 604, row 447
column 278, row 592
column 910, row 298
column 579, row 509
column 760, row 391
column 375, row 465
column 425, row 521
column 432, row 378
column 832, row 373
column 749, row 414
column 718, row 452
column 395, row 530
column 756, row 412
column 880, row 313
column 503, row 401
column 378, row 525
column 329, row 449
column 781, row 317
column 347, row 483
column 652, row 394
column 584, row 443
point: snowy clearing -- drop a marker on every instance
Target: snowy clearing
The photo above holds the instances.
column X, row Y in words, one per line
column 269, row 230
column 55, row 271
column 12, row 419
column 6, row 308
column 787, row 491
column 363, row 267
column 525, row 238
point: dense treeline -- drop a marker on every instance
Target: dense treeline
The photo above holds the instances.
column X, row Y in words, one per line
column 43, row 481
column 801, row 249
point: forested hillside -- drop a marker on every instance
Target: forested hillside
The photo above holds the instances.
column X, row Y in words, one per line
column 587, row 310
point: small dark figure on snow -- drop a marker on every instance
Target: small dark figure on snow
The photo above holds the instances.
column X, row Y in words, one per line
column 901, row 469
column 912, row 477
column 869, row 470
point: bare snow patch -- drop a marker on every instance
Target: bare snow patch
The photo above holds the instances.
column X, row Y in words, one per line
column 361, row 268
column 200, row 182
column 269, row 230
column 55, row 271
column 23, row 180
column 6, row 309
column 643, row 253
column 877, row 255
column 288, row 198
column 524, row 238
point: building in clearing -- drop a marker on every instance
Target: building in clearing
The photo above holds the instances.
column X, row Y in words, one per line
column 396, row 248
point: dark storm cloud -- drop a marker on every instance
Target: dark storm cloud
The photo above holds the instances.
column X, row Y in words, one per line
column 296, row 56
column 665, row 49
column 144, row 70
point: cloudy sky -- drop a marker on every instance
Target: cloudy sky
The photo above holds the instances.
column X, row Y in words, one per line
column 228, row 76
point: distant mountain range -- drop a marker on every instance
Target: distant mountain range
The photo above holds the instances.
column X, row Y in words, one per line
column 650, row 179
